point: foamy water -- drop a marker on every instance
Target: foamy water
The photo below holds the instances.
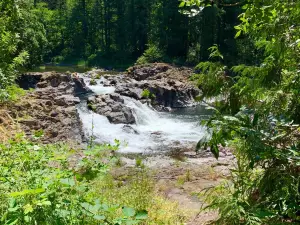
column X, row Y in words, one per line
column 154, row 131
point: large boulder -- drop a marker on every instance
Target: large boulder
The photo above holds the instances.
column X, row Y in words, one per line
column 132, row 90
column 112, row 106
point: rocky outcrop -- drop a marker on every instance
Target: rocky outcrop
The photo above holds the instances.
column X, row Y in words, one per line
column 50, row 107
column 168, row 85
column 112, row 106
column 168, row 93
column 68, row 82
column 142, row 72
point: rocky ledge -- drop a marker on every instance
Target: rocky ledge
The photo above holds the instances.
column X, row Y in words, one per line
column 168, row 85
column 50, row 106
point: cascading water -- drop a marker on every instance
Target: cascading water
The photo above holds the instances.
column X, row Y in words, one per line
column 154, row 131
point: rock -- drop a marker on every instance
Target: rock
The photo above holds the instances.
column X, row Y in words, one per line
column 80, row 86
column 142, row 72
column 130, row 90
column 64, row 82
column 29, row 122
column 112, row 106
column 48, row 103
column 51, row 106
column 27, row 81
column 170, row 85
column 167, row 93
column 66, row 100
column 54, row 114
column 129, row 129
column 42, row 84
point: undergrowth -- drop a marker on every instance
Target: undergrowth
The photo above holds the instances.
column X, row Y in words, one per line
column 11, row 93
column 54, row 184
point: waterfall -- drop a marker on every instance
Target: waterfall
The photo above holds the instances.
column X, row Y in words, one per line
column 154, row 131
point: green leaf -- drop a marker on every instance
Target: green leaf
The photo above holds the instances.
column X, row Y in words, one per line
column 132, row 222
column 182, row 4
column 26, row 192
column 129, row 212
column 98, row 217
column 28, row 209
column 231, row 118
column 215, row 150
column 238, row 34
column 14, row 222
column 68, row 181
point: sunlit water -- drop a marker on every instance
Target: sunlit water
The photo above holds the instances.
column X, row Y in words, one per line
column 154, row 131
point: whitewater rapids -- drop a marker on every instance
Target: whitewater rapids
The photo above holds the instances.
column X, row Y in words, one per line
column 153, row 132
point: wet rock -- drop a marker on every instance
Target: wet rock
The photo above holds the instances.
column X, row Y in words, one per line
column 167, row 94
column 129, row 129
column 112, row 106
column 130, row 90
column 169, row 86
column 80, row 87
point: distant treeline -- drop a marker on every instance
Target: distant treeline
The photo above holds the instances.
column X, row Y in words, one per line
column 119, row 31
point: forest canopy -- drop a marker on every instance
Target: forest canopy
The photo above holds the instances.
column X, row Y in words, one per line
column 109, row 32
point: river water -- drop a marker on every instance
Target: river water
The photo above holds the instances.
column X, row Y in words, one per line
column 153, row 132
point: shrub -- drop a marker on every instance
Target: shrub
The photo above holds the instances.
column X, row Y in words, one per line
column 151, row 55
column 39, row 186
column 147, row 94
column 48, row 184
column 11, row 93
column 58, row 59
column 93, row 82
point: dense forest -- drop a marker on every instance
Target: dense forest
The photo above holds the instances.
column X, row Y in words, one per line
column 245, row 55
column 118, row 31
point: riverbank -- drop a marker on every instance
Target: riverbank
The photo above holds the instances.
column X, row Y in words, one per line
column 184, row 178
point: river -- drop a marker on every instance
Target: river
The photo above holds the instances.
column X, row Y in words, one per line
column 153, row 132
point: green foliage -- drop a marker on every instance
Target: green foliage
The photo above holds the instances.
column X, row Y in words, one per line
column 151, row 55
column 211, row 79
column 91, row 107
column 139, row 162
column 135, row 189
column 263, row 133
column 21, row 40
column 147, row 94
column 39, row 186
column 11, row 93
column 93, row 82
column 215, row 52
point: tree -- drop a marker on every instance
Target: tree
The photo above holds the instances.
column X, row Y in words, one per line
column 21, row 42
column 265, row 186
